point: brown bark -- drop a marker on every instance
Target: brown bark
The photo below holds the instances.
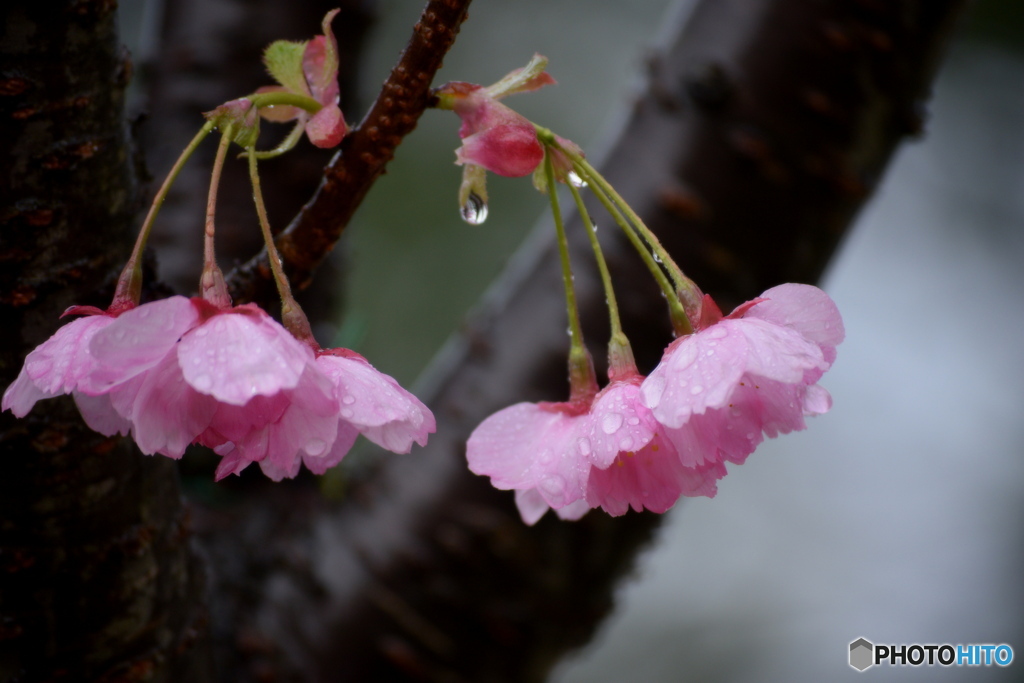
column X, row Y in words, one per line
column 764, row 128
column 97, row 577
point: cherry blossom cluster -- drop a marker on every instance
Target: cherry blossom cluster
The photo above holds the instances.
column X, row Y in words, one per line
column 644, row 442
column 180, row 371
column 640, row 442
column 183, row 371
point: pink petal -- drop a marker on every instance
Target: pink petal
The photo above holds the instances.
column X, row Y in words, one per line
column 232, row 462
column 167, row 414
column 479, row 112
column 526, row 446
column 817, row 401
column 59, row 365
column 318, row 464
column 531, row 505
column 137, row 340
column 617, row 422
column 236, row 355
column 277, row 430
column 100, row 415
column 653, row 478
column 702, row 370
column 508, row 150
column 320, row 63
column 327, row 127
column 805, row 309
column 22, row 395
column 376, row 404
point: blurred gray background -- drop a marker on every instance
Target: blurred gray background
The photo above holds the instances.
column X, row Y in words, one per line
column 897, row 516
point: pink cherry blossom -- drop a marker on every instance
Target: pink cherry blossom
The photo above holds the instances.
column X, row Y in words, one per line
column 719, row 391
column 182, row 371
column 606, row 452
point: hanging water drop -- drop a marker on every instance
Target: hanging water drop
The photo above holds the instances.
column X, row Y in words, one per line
column 474, row 211
column 593, row 226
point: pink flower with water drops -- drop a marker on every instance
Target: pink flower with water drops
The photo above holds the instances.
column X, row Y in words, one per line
column 717, row 392
column 606, row 452
column 182, row 370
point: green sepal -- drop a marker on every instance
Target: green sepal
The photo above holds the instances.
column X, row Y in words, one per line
column 283, row 59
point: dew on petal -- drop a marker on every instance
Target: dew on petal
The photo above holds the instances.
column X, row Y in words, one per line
column 553, row 485
column 348, row 399
column 202, row 382
column 717, row 332
column 696, row 389
column 584, row 446
column 611, row 422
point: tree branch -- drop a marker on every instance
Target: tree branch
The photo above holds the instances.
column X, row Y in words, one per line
column 362, row 158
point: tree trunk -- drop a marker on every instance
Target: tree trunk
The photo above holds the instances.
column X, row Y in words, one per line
column 99, row 578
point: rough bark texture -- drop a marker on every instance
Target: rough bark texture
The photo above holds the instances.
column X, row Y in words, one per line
column 97, row 578
column 764, row 128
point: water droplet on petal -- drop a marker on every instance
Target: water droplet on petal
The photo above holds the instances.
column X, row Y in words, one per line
column 652, row 389
column 696, row 389
column 717, row 332
column 346, row 413
column 611, row 422
column 633, row 420
column 474, row 211
column 584, row 446
column 625, row 443
column 202, row 383
column 553, row 485
column 349, row 400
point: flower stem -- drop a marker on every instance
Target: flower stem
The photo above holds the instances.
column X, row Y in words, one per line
column 288, row 99
column 129, row 285
column 211, row 283
column 582, row 380
column 620, row 353
column 680, row 322
column 683, row 283
column 294, row 318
